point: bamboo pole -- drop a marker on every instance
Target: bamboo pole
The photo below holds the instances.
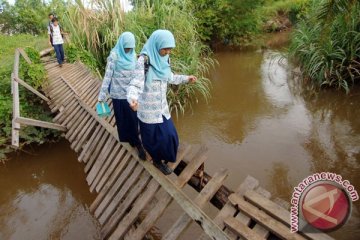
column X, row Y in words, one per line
column 16, row 105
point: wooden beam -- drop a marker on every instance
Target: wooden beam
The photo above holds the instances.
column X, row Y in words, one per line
column 37, row 123
column 264, row 219
column 31, row 89
column 241, row 229
column 209, row 227
column 279, row 213
column 16, row 104
column 46, row 51
column 25, row 56
column 69, row 85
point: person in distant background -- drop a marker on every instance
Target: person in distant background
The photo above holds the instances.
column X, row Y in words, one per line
column 50, row 24
column 57, row 41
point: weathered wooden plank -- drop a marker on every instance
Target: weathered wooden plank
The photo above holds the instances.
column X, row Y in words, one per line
column 114, row 170
column 120, row 194
column 164, row 198
column 108, row 149
column 101, row 144
column 108, row 167
column 78, row 127
column 241, row 229
column 137, row 207
column 104, row 186
column 15, row 127
column 24, row 55
column 114, row 188
column 279, row 213
column 89, row 143
column 261, row 217
column 37, row 123
column 189, row 207
column 31, row 89
column 229, row 210
column 134, row 192
column 83, row 135
column 93, row 144
column 205, row 195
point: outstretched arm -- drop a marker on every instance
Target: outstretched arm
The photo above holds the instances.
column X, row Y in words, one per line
column 181, row 79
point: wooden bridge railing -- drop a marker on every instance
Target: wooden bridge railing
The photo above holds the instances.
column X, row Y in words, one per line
column 17, row 120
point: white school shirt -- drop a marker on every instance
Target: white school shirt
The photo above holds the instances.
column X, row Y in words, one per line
column 152, row 99
column 56, row 35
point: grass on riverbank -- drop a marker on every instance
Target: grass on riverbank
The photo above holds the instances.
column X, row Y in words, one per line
column 30, row 105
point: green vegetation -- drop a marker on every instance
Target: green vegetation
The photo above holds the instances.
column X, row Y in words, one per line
column 326, row 44
column 96, row 32
column 240, row 22
column 30, row 106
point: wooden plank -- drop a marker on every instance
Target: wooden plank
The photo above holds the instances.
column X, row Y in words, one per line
column 114, row 188
column 106, row 186
column 205, row 195
column 108, row 149
column 189, row 207
column 128, row 201
column 279, row 213
column 258, row 228
column 164, row 198
column 83, row 135
column 93, row 144
column 140, row 203
column 15, row 127
column 262, row 218
column 108, row 167
column 31, row 89
column 25, row 56
column 101, row 144
column 116, row 166
column 241, row 229
column 68, row 84
column 229, row 210
column 89, row 143
column 37, row 123
column 128, row 183
column 78, row 127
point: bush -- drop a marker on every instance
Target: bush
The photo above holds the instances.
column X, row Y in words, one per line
column 96, row 32
column 326, row 44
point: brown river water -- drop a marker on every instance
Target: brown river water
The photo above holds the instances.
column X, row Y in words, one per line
column 256, row 123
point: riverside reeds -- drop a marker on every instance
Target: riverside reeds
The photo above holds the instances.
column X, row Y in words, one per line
column 326, row 44
column 98, row 29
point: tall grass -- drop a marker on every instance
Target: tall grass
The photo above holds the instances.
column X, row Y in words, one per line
column 97, row 31
column 326, row 44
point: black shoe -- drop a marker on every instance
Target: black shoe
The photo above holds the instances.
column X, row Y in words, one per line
column 163, row 167
column 141, row 152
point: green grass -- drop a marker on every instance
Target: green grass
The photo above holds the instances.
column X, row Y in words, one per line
column 8, row 44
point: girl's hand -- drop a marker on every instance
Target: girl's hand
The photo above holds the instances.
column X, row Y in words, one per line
column 192, row 79
column 134, row 105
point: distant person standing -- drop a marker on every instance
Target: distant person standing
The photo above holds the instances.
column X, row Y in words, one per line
column 56, row 40
column 50, row 24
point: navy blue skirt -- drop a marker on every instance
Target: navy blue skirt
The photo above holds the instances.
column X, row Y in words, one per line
column 127, row 122
column 160, row 140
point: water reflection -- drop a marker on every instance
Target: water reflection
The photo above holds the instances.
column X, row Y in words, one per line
column 45, row 196
column 259, row 123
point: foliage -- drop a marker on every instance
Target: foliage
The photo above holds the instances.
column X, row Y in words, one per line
column 29, row 105
column 98, row 31
column 74, row 54
column 29, row 16
column 326, row 43
column 232, row 22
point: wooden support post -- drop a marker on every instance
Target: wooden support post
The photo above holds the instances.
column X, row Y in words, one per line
column 37, row 123
column 16, row 105
column 31, row 89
